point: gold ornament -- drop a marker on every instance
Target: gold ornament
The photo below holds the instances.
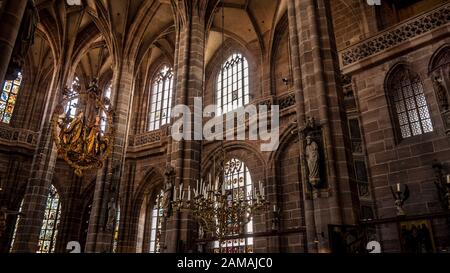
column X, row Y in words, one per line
column 79, row 137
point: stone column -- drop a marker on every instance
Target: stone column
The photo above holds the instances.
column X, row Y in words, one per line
column 129, row 213
column 40, row 179
column 44, row 160
column 11, row 19
column 300, row 111
column 189, row 83
column 109, row 179
column 11, row 195
column 71, row 215
column 322, row 100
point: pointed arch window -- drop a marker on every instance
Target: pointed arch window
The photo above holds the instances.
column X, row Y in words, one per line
column 408, row 103
column 8, row 98
column 49, row 229
column 161, row 98
column 13, row 238
column 238, row 185
column 106, row 95
column 156, row 224
column 71, row 106
column 233, row 84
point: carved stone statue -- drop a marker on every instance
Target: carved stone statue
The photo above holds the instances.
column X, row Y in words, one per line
column 310, row 123
column 111, row 214
column 441, row 92
column 25, row 39
column 169, row 184
column 312, row 159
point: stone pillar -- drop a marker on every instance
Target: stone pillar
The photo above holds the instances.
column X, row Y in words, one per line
column 300, row 111
column 129, row 213
column 71, row 215
column 189, row 82
column 41, row 176
column 322, row 100
column 11, row 19
column 44, row 160
column 11, row 195
column 109, row 179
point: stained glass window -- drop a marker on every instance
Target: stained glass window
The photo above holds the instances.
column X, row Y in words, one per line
column 49, row 229
column 107, row 95
column 71, row 106
column 161, row 98
column 233, row 84
column 13, row 238
column 8, row 98
column 409, row 102
column 156, row 224
column 238, row 185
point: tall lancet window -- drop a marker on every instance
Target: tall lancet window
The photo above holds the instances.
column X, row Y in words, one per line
column 13, row 239
column 233, row 84
column 156, row 224
column 161, row 98
column 106, row 95
column 8, row 98
column 49, row 229
column 408, row 102
column 71, row 106
column 238, row 186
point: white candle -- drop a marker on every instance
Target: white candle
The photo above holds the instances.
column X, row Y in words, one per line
column 181, row 191
column 398, row 187
column 189, row 193
column 448, row 178
column 274, row 208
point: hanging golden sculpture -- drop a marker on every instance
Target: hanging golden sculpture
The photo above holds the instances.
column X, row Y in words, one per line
column 82, row 128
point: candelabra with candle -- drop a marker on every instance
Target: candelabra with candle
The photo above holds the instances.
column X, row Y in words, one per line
column 400, row 197
column 218, row 212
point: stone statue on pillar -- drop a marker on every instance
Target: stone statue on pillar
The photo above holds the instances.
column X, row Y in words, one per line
column 312, row 134
column 25, row 40
column 169, row 184
column 312, row 159
column 441, row 92
column 111, row 214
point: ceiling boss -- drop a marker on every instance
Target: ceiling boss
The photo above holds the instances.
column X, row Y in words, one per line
column 82, row 128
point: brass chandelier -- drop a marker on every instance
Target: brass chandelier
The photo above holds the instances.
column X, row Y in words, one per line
column 80, row 139
column 220, row 212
